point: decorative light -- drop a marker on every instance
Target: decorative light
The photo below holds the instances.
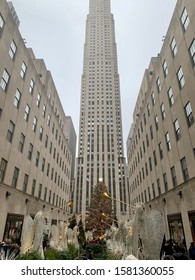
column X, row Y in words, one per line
column 106, row 194
column 70, row 203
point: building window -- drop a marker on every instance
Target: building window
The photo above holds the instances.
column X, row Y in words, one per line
column 26, row 112
column 173, row 175
column 173, row 47
column 168, row 141
column 50, row 147
column 1, row 23
column 21, row 142
column 165, row 182
column 53, row 199
column 165, row 68
column 145, row 196
column 185, row 19
column 147, row 140
column 48, row 168
column 49, row 199
column 155, row 158
column 184, row 169
column 40, row 191
column 43, row 165
column 177, row 129
column 44, row 110
column 12, row 50
column 23, row 70
column 153, row 191
column 38, row 100
column 30, row 151
column 162, row 108
column 25, row 183
column 45, row 194
column 150, row 163
column 146, row 168
column 180, row 77
column 5, row 80
column 56, row 137
column 149, row 195
column 156, row 122
column 31, row 86
column 17, row 99
column 15, row 177
column 158, row 187
column 158, row 84
column 153, row 98
column 192, row 51
column 46, row 141
column 10, row 131
column 37, row 159
column 48, row 120
column 3, row 166
column 148, row 109
column 160, row 150
column 41, row 133
column 189, row 115
column 34, row 124
column 151, row 132
column 33, row 187
column 170, row 96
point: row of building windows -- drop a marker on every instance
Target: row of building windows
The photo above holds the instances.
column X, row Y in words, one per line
column 3, row 166
column 6, row 76
column 174, row 49
column 17, row 100
column 180, row 74
column 189, row 118
column 9, row 137
column 147, row 197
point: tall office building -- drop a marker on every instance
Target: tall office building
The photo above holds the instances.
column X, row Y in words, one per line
column 100, row 152
column 161, row 143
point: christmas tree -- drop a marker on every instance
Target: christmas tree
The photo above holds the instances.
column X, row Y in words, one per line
column 100, row 215
column 81, row 235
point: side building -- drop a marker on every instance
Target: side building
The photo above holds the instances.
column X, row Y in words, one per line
column 161, row 148
column 35, row 157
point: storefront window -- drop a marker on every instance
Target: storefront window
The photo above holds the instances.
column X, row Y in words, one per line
column 13, row 229
column 176, row 229
column 192, row 224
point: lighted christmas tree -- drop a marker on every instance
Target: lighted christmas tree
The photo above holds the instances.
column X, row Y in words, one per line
column 100, row 215
column 81, row 235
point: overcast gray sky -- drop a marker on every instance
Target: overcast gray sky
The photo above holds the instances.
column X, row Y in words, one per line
column 55, row 30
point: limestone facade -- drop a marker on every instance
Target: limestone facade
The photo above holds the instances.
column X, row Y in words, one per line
column 161, row 143
column 35, row 157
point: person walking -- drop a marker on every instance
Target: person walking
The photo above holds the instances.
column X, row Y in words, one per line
column 192, row 251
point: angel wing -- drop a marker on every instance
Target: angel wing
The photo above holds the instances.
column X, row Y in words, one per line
column 152, row 233
column 28, row 232
column 39, row 222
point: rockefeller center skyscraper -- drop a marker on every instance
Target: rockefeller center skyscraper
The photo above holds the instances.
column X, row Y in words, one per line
column 100, row 151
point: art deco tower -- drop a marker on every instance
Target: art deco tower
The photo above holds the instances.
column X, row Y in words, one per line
column 100, row 152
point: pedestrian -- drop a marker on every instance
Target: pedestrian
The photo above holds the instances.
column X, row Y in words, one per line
column 192, row 251
column 168, row 248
